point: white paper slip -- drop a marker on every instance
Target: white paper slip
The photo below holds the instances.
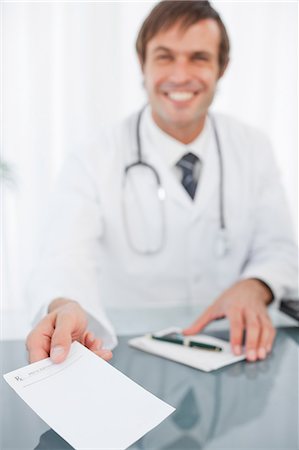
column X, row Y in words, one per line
column 88, row 402
column 194, row 357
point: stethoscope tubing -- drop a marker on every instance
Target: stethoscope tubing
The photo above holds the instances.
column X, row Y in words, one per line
column 161, row 193
column 221, row 173
column 142, row 162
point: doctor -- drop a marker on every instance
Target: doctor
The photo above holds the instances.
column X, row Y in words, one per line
column 173, row 206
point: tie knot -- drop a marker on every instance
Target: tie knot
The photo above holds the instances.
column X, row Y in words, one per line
column 187, row 162
column 189, row 177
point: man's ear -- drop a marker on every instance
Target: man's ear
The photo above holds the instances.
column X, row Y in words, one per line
column 223, row 70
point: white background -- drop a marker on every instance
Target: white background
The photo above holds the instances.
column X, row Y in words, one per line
column 69, row 66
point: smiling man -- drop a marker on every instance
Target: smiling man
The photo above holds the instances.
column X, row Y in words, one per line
column 181, row 69
column 173, row 206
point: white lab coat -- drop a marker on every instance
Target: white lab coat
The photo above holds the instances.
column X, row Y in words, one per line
column 87, row 256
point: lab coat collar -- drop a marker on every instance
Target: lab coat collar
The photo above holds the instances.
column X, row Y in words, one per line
column 171, row 149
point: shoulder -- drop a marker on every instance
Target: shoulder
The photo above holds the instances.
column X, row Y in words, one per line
column 237, row 130
column 107, row 143
column 242, row 139
column 117, row 133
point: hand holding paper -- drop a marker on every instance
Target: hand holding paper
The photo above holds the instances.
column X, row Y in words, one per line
column 65, row 322
column 88, row 402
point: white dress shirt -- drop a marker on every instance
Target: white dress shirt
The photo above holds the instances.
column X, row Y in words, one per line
column 172, row 150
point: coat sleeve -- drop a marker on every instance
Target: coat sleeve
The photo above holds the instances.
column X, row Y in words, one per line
column 69, row 262
column 273, row 251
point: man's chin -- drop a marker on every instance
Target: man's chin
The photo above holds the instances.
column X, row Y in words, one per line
column 181, row 121
column 182, row 115
column 168, row 119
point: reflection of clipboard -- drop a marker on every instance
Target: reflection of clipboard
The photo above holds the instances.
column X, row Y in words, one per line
column 290, row 307
column 190, row 356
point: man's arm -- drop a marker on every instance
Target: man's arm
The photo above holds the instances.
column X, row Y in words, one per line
column 271, row 266
column 273, row 254
column 69, row 267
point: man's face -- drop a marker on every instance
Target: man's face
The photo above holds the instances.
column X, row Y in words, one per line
column 180, row 75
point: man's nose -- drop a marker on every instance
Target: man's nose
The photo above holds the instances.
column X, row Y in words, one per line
column 180, row 72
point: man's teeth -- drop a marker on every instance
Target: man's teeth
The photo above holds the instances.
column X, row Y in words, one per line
column 180, row 96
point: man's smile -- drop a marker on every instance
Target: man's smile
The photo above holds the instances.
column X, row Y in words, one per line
column 180, row 96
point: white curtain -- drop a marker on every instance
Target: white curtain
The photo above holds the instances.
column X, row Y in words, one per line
column 68, row 67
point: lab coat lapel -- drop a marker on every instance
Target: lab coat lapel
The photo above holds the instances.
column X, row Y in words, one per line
column 173, row 188
column 208, row 183
column 151, row 149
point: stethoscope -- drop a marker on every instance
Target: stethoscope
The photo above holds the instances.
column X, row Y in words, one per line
column 222, row 245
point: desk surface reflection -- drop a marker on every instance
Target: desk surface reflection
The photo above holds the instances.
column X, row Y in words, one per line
column 243, row 406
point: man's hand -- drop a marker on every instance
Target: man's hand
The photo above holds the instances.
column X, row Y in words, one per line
column 66, row 322
column 245, row 306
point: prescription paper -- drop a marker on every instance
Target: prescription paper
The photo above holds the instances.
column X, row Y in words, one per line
column 194, row 357
column 88, row 402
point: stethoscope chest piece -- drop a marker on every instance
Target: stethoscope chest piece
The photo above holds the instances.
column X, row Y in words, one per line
column 222, row 244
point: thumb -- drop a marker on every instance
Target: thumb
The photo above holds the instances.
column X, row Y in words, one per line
column 61, row 339
column 200, row 323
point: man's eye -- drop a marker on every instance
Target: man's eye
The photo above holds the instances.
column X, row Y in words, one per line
column 200, row 57
column 163, row 57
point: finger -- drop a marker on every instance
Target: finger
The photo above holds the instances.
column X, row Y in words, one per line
column 237, row 326
column 253, row 329
column 62, row 338
column 267, row 338
column 87, row 338
column 38, row 341
column 208, row 316
column 104, row 354
column 271, row 340
column 36, row 350
column 96, row 346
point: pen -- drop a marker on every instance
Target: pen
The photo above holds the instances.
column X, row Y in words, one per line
column 187, row 342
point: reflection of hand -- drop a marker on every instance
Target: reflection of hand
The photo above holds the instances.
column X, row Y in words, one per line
column 244, row 304
column 53, row 335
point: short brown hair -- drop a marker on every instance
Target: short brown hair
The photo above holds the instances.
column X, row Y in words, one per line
column 168, row 12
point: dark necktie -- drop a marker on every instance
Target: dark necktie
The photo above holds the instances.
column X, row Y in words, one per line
column 187, row 165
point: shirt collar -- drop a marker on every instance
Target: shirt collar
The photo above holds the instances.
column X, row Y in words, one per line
column 170, row 149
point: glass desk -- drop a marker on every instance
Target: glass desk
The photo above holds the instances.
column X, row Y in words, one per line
column 242, row 406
